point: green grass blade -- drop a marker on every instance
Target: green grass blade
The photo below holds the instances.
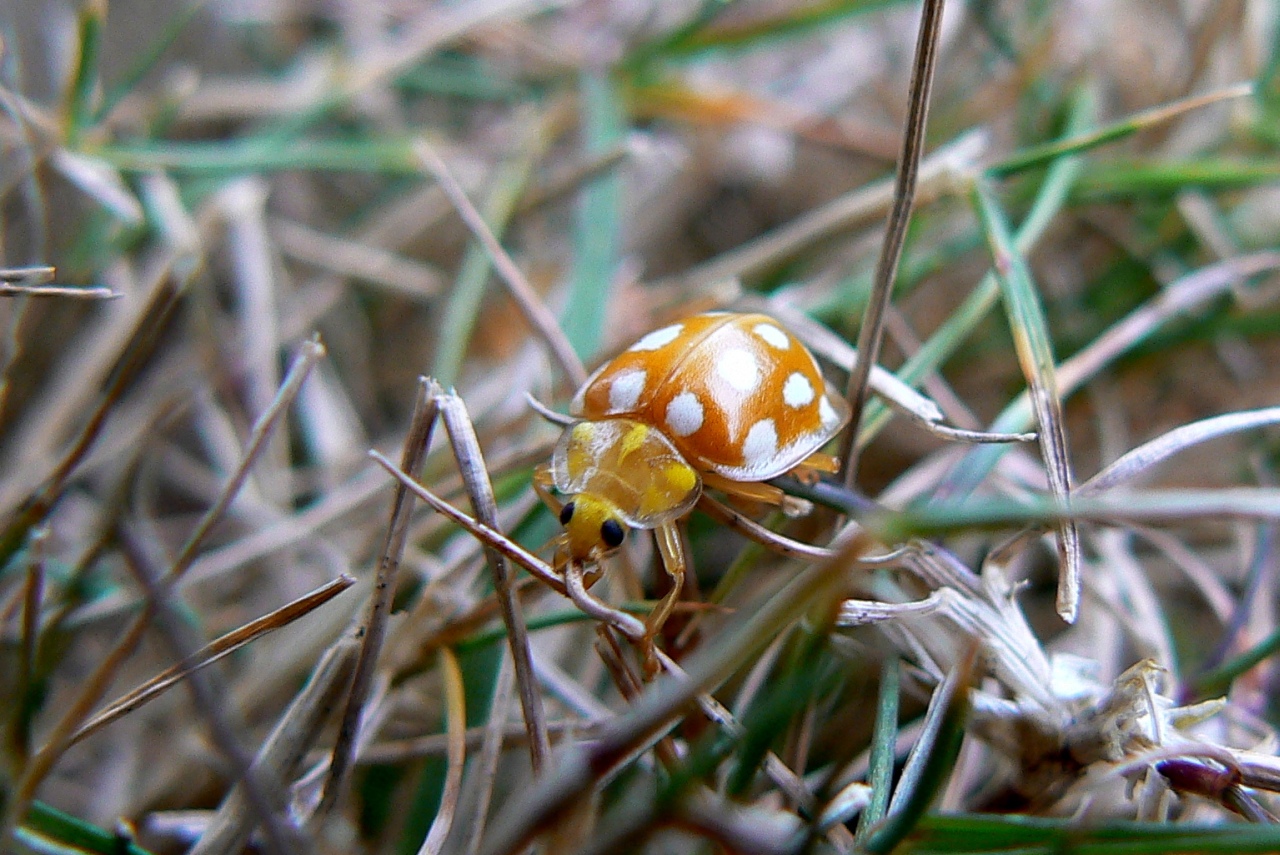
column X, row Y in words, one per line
column 934, row 770
column 1120, row 507
column 884, row 744
column 1164, row 177
column 1219, row 680
column 463, row 307
column 86, row 78
column 1034, row 348
column 222, row 159
column 955, row 833
column 598, row 225
column 701, row 35
column 1079, row 143
column 1179, row 299
column 48, row 830
column 150, row 57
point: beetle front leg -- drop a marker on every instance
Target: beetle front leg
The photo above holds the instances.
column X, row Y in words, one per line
column 543, row 481
column 671, row 549
column 575, row 582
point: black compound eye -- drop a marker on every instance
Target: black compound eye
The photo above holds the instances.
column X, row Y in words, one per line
column 566, row 513
column 612, row 533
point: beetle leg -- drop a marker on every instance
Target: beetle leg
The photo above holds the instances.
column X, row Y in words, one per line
column 815, row 463
column 543, row 481
column 758, row 491
column 576, row 582
column 671, row 549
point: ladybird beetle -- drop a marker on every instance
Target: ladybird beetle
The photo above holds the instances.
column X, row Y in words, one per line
column 719, row 399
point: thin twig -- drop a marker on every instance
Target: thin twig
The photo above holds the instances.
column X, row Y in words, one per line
column 530, row 304
column 871, row 334
column 466, row 450
column 210, row 653
column 374, row 627
column 497, row 540
column 38, row 288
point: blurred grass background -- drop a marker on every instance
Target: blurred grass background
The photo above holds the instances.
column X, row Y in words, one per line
column 242, row 175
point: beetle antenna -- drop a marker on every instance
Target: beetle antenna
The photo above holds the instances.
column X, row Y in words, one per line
column 548, row 413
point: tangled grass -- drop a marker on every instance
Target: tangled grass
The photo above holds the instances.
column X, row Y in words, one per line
column 244, row 243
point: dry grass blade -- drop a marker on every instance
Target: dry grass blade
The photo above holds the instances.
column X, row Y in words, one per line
column 197, row 191
column 280, row 755
column 791, row 784
column 871, row 333
column 373, row 628
column 437, row 744
column 210, row 653
column 466, row 451
column 32, row 600
column 531, row 306
column 30, row 276
column 424, row 34
column 1134, row 463
column 494, row 735
column 119, row 346
column 1182, row 297
column 101, row 182
column 748, row 527
column 34, row 282
column 309, row 354
column 629, row 626
column 456, row 728
column 1179, row 299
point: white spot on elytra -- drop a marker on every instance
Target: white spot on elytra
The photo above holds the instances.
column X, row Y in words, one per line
column 738, row 368
column 798, row 392
column 684, row 414
column 658, row 338
column 773, row 336
column 625, row 390
column 760, row 446
column 827, row 413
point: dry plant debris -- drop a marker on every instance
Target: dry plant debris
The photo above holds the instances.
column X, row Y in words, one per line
column 254, row 252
